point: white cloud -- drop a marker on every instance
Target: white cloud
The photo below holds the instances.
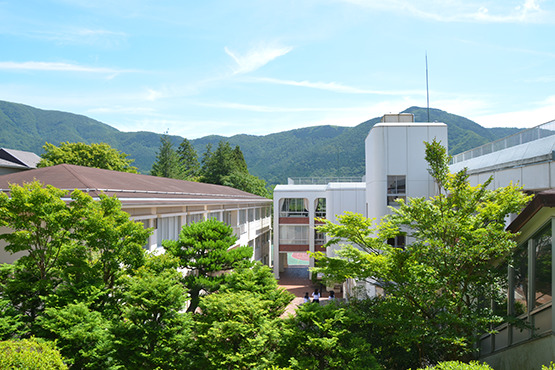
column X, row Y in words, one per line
column 256, row 57
column 56, row 67
column 331, row 86
column 543, row 111
column 529, row 11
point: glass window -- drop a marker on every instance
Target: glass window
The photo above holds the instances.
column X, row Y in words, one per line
column 398, row 241
column 396, row 188
column 294, row 207
column 319, row 238
column 242, row 216
column 320, row 207
column 521, row 280
column 293, row 234
column 542, row 278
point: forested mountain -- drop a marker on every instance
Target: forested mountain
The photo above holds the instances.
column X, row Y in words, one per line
column 311, row 151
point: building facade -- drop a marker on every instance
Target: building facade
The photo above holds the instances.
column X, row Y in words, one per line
column 164, row 204
column 395, row 168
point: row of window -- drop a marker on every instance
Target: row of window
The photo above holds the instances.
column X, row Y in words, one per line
column 298, row 207
column 298, row 235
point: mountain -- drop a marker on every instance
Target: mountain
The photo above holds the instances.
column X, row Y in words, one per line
column 311, row 151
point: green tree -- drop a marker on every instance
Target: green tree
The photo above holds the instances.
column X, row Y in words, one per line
column 74, row 250
column 239, row 326
column 440, row 281
column 204, row 250
column 227, row 166
column 83, row 335
column 324, row 337
column 188, row 158
column 98, row 155
column 167, row 160
column 28, row 354
column 152, row 331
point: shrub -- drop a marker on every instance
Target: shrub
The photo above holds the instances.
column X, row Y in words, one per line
column 456, row 365
column 29, row 354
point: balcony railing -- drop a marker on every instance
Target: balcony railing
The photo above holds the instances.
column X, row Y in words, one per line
column 522, row 137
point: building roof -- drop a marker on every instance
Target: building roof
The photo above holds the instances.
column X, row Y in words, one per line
column 540, row 200
column 130, row 188
column 18, row 158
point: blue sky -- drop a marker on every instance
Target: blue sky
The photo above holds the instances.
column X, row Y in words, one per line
column 195, row 68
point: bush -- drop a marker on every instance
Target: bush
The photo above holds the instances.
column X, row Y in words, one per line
column 30, row 354
column 456, row 365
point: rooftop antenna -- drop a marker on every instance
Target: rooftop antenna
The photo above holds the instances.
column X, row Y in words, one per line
column 427, row 91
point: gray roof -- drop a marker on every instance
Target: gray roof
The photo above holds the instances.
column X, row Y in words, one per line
column 18, row 158
column 130, row 188
column 531, row 152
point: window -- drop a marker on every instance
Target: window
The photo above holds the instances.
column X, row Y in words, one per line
column 320, row 207
column 398, row 241
column 297, row 234
column 542, row 276
column 195, row 218
column 294, row 207
column 396, row 188
column 319, row 238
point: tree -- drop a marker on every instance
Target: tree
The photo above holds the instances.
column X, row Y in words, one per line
column 204, row 251
column 167, row 161
column 75, row 250
column 227, row 166
column 189, row 160
column 324, row 337
column 30, row 354
column 439, row 282
column 153, row 331
column 98, row 155
column 239, row 326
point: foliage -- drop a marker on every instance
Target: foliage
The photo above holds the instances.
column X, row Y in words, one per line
column 322, row 337
column 550, row 367
column 239, row 326
column 167, row 162
column 203, row 249
column 30, row 354
column 188, row 158
column 439, row 281
column 153, row 332
column 73, row 251
column 82, row 335
column 98, row 155
column 456, row 365
column 227, row 166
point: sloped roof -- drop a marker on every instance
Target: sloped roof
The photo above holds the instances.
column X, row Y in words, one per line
column 543, row 199
column 18, row 158
column 129, row 187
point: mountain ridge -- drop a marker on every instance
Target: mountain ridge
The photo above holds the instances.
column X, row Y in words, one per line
column 326, row 150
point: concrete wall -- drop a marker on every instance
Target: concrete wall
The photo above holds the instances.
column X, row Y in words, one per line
column 529, row 355
column 397, row 149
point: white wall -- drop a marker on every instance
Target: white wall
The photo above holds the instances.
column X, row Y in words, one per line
column 397, row 149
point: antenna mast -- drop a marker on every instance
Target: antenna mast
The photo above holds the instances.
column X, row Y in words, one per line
column 427, row 91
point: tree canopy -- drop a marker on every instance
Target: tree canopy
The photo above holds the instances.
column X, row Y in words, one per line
column 98, row 155
column 455, row 260
column 203, row 249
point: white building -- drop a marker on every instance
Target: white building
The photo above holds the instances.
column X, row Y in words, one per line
column 161, row 203
column 395, row 167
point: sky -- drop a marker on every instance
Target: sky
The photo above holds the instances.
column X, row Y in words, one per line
column 197, row 68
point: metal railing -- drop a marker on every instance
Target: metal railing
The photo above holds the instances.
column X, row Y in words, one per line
column 522, row 137
column 321, row 180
